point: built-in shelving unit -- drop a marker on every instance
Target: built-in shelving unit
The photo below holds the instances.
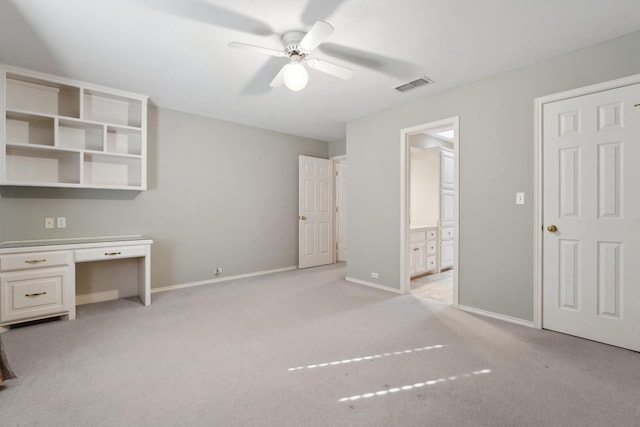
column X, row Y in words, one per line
column 56, row 132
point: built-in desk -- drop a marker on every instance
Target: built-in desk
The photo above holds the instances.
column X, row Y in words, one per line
column 37, row 277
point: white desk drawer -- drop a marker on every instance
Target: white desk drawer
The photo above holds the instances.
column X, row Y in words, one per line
column 431, row 234
column 115, row 252
column 32, row 294
column 33, row 260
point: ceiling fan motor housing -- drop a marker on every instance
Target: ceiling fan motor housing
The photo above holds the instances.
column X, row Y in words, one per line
column 291, row 40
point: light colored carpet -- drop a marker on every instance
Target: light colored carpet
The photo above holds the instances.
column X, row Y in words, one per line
column 306, row 348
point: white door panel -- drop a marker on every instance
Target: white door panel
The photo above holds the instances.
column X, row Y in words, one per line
column 447, row 204
column 447, row 177
column 591, row 172
column 315, row 232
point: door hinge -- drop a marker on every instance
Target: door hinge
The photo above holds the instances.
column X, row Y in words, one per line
column 337, row 246
column 337, row 209
column 336, row 172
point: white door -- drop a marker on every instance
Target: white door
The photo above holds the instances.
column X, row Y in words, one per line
column 591, row 276
column 341, row 210
column 315, row 218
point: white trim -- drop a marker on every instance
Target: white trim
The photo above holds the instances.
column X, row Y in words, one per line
column 336, row 183
column 493, row 315
column 405, row 279
column 221, row 279
column 373, row 285
column 538, row 188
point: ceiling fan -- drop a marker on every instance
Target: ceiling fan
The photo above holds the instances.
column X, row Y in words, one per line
column 297, row 46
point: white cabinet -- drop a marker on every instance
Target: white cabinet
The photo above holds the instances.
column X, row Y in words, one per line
column 36, row 285
column 417, row 252
column 446, row 248
column 423, row 251
column 447, row 176
column 432, row 197
column 56, row 132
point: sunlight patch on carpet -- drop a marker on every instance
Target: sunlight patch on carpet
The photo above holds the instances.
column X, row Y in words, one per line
column 365, row 358
column 411, row 386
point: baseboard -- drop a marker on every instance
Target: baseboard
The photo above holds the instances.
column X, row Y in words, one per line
column 373, row 285
column 493, row 315
column 220, row 279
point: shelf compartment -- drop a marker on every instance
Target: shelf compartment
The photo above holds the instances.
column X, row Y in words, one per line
column 124, row 141
column 29, row 129
column 42, row 166
column 80, row 136
column 112, row 109
column 112, row 171
column 41, row 96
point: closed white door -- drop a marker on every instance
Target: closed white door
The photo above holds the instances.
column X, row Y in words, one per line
column 341, row 210
column 591, row 244
column 315, row 218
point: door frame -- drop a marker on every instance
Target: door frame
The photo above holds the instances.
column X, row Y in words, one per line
column 405, row 279
column 538, row 187
column 336, row 160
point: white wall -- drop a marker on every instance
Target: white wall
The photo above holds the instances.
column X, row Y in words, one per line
column 220, row 194
column 338, row 148
column 496, row 160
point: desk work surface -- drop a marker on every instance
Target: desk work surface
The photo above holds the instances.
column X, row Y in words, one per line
column 73, row 241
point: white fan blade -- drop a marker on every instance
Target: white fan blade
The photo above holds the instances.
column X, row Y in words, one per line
column 278, row 80
column 338, row 71
column 259, row 49
column 320, row 31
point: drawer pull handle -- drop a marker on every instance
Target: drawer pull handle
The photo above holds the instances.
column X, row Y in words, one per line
column 35, row 294
column 112, row 253
column 35, row 261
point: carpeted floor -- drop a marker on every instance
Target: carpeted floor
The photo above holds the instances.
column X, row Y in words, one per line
column 306, row 348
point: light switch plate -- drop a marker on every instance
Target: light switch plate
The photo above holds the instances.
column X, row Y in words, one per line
column 48, row 223
column 519, row 198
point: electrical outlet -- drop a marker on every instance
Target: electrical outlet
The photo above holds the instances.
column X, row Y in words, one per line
column 375, row 275
column 218, row 271
column 48, row 223
column 62, row 222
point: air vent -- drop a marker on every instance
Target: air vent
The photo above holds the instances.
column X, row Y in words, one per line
column 422, row 81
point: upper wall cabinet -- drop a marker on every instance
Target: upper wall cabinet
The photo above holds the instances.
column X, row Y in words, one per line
column 56, row 132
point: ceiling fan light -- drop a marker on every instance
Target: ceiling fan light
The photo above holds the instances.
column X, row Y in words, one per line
column 296, row 76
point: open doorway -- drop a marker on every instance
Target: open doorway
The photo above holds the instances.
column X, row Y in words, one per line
column 429, row 201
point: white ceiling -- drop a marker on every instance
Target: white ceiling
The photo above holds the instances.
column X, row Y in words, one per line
column 176, row 51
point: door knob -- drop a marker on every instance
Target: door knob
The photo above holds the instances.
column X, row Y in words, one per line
column 302, row 217
column 552, row 228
